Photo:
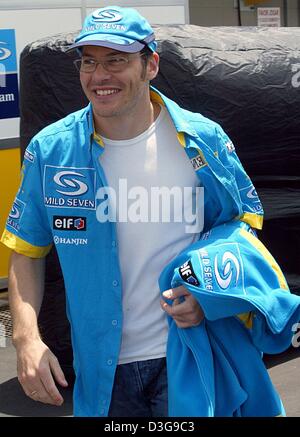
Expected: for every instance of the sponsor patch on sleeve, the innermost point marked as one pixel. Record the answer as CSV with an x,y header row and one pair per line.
x,y
230,146
187,273
222,268
198,162
29,156
15,214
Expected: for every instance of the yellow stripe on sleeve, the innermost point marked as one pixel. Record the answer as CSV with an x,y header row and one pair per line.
x,y
267,256
254,220
20,246
247,319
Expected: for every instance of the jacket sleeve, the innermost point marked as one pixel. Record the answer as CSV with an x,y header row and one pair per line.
x,y
251,205
27,228
232,274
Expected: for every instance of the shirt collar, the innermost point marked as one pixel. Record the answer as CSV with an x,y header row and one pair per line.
x,y
175,112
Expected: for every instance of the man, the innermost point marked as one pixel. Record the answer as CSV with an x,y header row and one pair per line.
x,y
81,175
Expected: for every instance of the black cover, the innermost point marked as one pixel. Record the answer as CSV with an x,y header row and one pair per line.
x,y
244,78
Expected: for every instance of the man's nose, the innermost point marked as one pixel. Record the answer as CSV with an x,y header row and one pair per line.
x,y
101,71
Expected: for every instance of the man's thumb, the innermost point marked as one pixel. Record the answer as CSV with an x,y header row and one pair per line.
x,y
173,293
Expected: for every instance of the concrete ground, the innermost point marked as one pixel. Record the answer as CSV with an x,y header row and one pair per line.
x,y
283,368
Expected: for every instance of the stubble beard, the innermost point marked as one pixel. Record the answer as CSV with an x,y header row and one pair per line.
x,y
124,109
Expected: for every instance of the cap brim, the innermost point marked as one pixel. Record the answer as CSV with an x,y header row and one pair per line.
x,y
121,44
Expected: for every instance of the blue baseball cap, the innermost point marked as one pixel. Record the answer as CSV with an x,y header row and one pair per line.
x,y
122,29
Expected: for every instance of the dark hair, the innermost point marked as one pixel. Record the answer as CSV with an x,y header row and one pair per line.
x,y
147,53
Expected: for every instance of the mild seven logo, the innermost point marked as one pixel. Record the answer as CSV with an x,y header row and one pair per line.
x,y
4,52
229,270
69,187
107,16
222,268
15,214
65,179
252,194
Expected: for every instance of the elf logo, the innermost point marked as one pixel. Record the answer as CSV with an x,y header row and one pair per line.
x,y
68,223
187,273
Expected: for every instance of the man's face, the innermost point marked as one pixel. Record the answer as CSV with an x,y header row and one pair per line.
x,y
117,94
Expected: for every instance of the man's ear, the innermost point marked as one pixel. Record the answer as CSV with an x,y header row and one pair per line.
x,y
153,66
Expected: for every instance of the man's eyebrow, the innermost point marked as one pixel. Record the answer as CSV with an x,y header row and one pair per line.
x,y
114,53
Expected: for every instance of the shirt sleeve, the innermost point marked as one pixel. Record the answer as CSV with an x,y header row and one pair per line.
x,y
27,228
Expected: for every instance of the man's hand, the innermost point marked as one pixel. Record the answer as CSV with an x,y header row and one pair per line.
x,y
186,311
38,368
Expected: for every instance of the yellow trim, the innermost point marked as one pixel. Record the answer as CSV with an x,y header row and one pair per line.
x,y
18,245
268,257
98,139
247,319
22,173
254,220
10,179
156,98
181,138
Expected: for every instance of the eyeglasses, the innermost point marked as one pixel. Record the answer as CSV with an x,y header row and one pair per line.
x,y
112,64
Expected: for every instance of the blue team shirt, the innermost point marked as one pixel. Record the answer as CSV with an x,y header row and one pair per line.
x,y
57,203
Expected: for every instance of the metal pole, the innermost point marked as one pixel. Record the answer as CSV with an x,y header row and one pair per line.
x,y
239,12
285,17
83,10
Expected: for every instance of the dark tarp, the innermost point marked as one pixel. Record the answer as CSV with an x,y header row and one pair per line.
x,y
247,79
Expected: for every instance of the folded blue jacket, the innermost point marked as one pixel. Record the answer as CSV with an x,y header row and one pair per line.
x,y
216,368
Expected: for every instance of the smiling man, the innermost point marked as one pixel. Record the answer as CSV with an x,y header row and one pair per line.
x,y
117,85
129,134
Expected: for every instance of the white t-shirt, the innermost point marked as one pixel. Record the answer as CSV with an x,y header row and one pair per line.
x,y
150,232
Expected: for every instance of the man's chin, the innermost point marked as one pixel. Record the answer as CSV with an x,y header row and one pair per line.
x,y
105,112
